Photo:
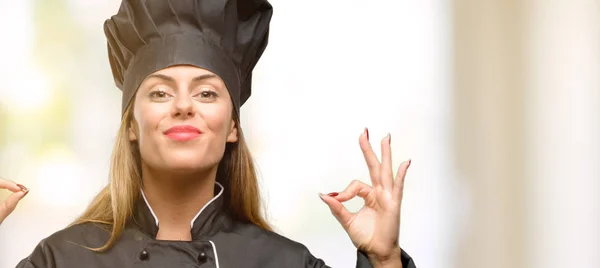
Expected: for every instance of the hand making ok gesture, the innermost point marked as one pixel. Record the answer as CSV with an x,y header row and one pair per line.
x,y
374,229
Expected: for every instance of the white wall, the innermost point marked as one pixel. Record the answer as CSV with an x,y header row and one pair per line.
x,y
564,126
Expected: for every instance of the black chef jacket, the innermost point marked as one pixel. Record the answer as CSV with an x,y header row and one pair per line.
x,y
218,241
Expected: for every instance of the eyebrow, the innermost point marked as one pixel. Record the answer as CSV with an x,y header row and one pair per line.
x,y
172,80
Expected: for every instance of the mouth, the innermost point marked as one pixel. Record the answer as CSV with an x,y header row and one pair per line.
x,y
182,133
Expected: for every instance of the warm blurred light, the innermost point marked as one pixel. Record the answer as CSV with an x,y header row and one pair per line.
x,y
15,73
60,179
17,47
26,89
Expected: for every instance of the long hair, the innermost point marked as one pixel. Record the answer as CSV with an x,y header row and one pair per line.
x,y
113,206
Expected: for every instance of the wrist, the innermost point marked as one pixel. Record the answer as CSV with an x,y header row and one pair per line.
x,y
393,260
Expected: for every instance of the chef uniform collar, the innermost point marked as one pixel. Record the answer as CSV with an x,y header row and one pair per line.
x,y
203,224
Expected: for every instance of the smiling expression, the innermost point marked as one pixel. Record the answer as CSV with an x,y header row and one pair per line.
x,y
182,119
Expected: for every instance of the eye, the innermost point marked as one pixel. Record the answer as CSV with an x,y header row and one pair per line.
x,y
207,94
159,95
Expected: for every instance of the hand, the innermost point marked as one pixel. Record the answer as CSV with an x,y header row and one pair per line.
x,y
374,229
7,206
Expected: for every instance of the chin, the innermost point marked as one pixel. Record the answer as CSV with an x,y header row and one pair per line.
x,y
188,162
185,168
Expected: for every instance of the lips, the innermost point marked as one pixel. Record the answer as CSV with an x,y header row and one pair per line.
x,y
182,133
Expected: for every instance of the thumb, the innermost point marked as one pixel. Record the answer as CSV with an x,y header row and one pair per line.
x,y
8,206
338,210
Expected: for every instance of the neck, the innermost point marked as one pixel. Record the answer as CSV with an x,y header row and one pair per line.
x,y
176,199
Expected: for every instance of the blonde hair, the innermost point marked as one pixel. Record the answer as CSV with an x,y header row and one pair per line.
x,y
113,206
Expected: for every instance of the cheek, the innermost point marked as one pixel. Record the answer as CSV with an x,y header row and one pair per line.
x,y
148,124
218,122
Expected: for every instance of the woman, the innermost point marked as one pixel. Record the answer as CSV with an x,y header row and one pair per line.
x,y
183,191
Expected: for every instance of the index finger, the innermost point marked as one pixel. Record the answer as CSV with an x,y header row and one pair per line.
x,y
9,185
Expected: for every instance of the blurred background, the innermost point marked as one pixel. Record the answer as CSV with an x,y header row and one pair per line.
x,y
497,102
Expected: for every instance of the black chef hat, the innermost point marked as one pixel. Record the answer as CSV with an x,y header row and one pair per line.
x,y
226,37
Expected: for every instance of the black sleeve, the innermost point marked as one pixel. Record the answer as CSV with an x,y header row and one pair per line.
x,y
40,258
310,261
362,261
25,263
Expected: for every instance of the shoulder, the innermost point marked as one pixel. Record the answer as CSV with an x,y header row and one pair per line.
x,y
265,245
80,235
252,234
73,239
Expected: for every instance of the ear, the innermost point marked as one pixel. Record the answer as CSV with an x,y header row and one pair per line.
x,y
232,136
132,130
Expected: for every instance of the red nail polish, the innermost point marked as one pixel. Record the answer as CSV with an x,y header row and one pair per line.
x,y
389,138
367,132
334,194
409,161
23,188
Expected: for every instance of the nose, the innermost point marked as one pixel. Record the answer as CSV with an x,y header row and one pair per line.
x,y
183,106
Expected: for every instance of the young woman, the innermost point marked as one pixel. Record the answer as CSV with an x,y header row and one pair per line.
x,y
183,190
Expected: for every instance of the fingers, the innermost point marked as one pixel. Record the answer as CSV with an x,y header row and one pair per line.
x,y
9,185
370,158
8,206
338,210
399,181
386,163
355,188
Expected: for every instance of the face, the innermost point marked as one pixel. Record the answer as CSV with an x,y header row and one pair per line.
x,y
182,119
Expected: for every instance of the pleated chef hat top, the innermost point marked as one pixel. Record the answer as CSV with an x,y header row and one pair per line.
x,y
226,37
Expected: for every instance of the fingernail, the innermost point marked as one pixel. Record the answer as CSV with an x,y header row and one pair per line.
x,y
23,188
367,132
409,161
321,196
334,194
389,138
